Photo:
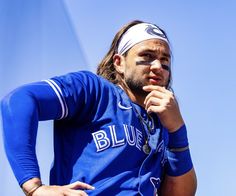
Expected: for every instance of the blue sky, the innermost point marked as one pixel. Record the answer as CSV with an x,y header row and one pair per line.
x,y
40,39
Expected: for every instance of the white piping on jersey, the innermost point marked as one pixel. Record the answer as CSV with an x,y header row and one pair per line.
x,y
124,107
58,92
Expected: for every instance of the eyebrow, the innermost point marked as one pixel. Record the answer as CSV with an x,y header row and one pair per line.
x,y
154,51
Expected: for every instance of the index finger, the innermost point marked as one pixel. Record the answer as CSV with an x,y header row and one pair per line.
x,y
80,185
150,88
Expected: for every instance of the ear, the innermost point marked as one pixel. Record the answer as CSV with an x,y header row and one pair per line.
x,y
119,63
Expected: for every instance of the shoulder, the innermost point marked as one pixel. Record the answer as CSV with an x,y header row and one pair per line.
x,y
91,79
85,82
81,77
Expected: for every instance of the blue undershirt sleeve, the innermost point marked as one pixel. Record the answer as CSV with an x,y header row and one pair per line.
x,y
21,110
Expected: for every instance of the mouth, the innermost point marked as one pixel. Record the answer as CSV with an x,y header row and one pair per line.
x,y
155,80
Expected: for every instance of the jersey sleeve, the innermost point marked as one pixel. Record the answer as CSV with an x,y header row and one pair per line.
x,y
21,110
54,99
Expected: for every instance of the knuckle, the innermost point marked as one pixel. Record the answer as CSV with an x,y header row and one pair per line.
x,y
172,96
167,102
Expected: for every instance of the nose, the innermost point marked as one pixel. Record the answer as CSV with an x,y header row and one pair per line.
x,y
155,65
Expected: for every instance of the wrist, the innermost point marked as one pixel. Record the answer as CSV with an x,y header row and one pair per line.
x,y
31,186
175,125
178,139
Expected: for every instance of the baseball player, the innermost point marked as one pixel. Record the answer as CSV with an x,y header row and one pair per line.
x,y
117,132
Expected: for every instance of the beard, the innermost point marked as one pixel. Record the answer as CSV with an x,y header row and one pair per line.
x,y
136,87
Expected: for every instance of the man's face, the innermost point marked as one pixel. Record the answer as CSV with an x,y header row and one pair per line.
x,y
147,63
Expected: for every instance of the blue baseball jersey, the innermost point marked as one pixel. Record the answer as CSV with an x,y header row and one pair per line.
x,y
99,139
98,136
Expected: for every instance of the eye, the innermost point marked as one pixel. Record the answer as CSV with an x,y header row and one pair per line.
x,y
147,56
166,67
165,61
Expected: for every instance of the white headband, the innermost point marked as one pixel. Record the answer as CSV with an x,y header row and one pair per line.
x,y
138,33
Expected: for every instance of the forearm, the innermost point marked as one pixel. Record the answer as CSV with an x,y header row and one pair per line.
x,y
184,185
20,122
